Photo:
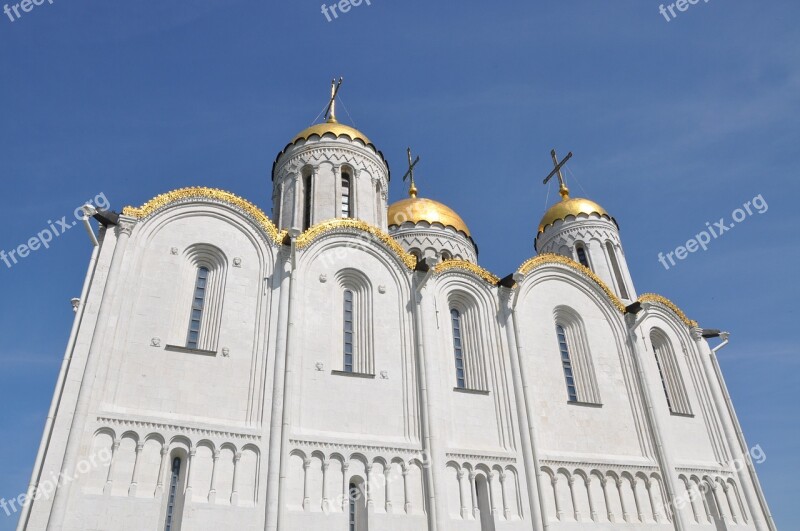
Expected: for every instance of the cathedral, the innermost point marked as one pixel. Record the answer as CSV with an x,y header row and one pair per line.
x,y
343,363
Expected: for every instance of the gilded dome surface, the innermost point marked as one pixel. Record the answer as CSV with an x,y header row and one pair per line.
x,y
416,209
334,128
571,207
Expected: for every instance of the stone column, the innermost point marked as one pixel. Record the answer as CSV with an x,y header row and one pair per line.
x,y
110,475
609,512
387,473
345,488
592,511
462,474
576,513
187,496
161,468
506,508
407,504
491,484
473,489
135,475
306,498
237,457
212,493
325,465
554,483
636,499
368,488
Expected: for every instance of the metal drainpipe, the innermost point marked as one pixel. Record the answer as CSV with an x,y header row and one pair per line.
x,y
62,375
738,430
528,442
433,515
661,454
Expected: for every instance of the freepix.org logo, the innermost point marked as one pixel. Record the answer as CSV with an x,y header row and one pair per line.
x,y
53,230
26,6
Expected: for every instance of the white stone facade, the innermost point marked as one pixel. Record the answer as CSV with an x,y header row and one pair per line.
x,y
271,429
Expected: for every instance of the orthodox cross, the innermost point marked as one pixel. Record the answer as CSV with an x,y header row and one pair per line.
x,y
412,191
562,189
330,111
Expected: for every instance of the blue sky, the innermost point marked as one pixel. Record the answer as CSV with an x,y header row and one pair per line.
x,y
673,124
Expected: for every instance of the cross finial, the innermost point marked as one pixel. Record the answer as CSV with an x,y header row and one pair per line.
x,y
330,112
562,189
412,190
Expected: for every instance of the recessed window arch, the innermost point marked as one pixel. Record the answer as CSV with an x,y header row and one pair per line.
x,y
357,515
576,360
669,372
468,343
174,494
347,197
308,195
204,280
612,258
446,255
582,254
357,354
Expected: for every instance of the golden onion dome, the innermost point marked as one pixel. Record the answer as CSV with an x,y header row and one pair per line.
x,y
333,127
571,207
416,209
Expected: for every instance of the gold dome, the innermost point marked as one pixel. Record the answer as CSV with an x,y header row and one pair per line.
x,y
333,127
416,209
571,207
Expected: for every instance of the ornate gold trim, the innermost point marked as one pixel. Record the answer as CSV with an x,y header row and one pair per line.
x,y
332,225
552,258
463,265
199,192
654,297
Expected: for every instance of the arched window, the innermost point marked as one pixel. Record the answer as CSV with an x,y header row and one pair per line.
x,y
198,305
576,360
612,257
671,381
307,195
458,349
580,251
467,346
566,363
348,331
355,300
174,496
446,256
357,506
484,502
347,209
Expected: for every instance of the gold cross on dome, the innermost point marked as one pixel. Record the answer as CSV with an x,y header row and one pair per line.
x,y
330,111
412,190
562,189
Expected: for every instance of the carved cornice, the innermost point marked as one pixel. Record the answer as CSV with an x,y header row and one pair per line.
x,y
350,225
550,258
205,432
480,458
469,267
700,472
588,465
658,299
187,195
364,448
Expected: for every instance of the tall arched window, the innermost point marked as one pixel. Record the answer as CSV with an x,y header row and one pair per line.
x,y
307,194
458,349
358,342
347,208
580,251
468,345
357,505
576,359
668,371
198,304
174,497
348,331
612,257
566,363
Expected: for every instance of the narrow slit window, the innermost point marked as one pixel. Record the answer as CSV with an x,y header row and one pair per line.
x,y
306,202
348,331
612,256
580,250
347,211
198,304
566,362
172,495
458,349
